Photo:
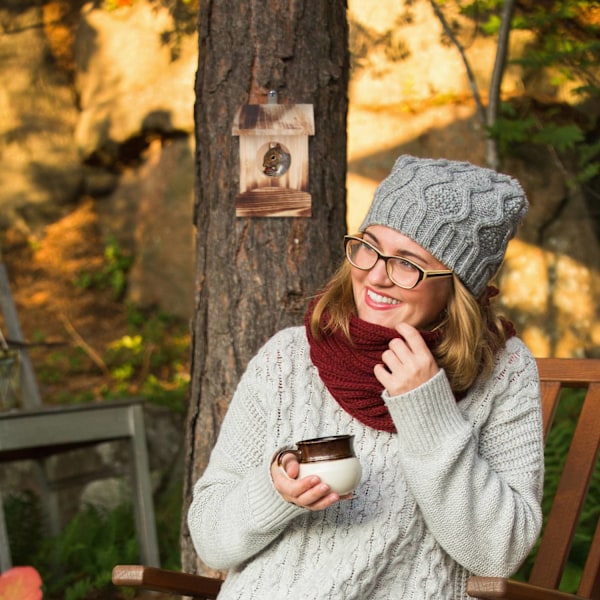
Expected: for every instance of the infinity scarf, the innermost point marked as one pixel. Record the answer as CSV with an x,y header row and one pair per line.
x,y
346,368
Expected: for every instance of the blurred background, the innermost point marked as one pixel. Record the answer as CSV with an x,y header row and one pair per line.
x,y
97,193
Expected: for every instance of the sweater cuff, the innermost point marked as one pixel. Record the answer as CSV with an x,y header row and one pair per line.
x,y
268,509
427,416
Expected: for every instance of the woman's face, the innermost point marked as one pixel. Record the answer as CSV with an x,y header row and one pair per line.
x,y
381,302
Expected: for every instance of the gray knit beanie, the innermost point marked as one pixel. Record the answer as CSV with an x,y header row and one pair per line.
x,y
462,214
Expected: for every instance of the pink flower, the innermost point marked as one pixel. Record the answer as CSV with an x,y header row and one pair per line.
x,y
20,583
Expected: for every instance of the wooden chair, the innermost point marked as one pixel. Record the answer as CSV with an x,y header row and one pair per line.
x,y
34,432
551,558
571,493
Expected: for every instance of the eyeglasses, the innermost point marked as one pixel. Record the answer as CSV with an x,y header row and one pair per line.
x,y
402,272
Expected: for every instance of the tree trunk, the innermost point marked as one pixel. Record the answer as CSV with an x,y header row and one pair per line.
x,y
254,275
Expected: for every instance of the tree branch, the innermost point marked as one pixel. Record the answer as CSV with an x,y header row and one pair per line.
x,y
492,157
461,50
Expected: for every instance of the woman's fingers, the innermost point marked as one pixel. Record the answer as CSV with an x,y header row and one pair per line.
x,y
309,492
407,363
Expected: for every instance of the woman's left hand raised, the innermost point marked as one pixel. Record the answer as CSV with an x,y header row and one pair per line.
x,y
407,363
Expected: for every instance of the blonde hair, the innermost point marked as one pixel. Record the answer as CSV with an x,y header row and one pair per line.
x,y
473,331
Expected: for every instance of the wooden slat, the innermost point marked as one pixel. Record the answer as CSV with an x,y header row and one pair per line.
x,y
570,495
274,119
499,587
589,586
556,373
550,396
164,580
573,372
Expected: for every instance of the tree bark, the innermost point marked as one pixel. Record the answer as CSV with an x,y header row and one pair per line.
x,y
254,275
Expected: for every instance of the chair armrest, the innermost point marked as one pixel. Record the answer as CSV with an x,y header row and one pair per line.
x,y
500,587
164,580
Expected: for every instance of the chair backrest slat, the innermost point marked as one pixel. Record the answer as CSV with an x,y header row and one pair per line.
x,y
572,372
589,586
577,472
550,395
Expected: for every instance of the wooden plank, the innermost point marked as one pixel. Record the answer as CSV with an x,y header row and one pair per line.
x,y
550,396
273,119
273,202
499,587
164,580
570,494
589,586
577,372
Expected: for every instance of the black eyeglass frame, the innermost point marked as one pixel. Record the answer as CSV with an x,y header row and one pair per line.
x,y
423,273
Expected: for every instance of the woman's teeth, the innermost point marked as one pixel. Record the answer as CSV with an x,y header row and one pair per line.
x,y
381,299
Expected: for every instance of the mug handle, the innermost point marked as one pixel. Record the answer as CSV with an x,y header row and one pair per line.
x,y
281,454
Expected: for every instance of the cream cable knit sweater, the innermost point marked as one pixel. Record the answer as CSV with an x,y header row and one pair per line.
x,y
456,491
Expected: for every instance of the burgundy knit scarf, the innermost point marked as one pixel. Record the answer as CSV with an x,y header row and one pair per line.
x,y
346,368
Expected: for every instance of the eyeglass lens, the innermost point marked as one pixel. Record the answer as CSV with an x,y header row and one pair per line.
x,y
401,271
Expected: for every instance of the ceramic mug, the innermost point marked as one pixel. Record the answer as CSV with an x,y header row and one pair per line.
x,y
331,458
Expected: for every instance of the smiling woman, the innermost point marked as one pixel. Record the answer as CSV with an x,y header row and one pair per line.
x,y
403,351
392,289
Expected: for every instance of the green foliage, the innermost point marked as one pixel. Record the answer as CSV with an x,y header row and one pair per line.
x,y
562,138
566,48
168,524
557,446
510,129
112,275
58,363
151,359
78,563
81,558
589,162
563,51
24,524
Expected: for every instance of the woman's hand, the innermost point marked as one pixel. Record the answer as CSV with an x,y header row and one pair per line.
x,y
309,492
407,364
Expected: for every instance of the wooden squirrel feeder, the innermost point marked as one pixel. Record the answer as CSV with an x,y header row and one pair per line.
x,y
274,159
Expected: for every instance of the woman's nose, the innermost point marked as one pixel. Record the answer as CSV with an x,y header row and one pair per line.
x,y
378,274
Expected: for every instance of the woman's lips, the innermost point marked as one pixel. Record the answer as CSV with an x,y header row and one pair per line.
x,y
380,301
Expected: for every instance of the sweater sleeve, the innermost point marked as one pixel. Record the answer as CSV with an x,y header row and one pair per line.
x,y
477,480
235,510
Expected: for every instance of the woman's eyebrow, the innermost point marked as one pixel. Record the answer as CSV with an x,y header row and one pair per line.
x,y
400,253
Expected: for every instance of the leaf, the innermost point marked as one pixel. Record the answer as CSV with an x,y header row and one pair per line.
x,y
20,583
561,137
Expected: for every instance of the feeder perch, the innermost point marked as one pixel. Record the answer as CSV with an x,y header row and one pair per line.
x,y
274,159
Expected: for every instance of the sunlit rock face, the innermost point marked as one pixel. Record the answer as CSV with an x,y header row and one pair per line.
x,y
553,299
136,109
129,81
551,276
97,105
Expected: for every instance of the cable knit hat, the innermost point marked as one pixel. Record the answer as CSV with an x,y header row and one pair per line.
x,y
462,214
